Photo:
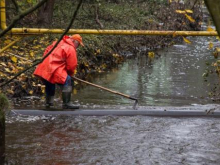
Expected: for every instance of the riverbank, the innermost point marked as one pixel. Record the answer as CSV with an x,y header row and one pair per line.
x,y
101,53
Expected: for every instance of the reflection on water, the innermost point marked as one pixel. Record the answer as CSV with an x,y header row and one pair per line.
x,y
174,79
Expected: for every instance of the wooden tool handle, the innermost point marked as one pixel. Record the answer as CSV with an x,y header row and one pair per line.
x,y
115,92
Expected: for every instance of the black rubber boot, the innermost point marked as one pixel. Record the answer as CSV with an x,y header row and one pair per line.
x,y
49,101
66,95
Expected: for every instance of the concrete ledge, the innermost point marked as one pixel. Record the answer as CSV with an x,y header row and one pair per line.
x,y
161,113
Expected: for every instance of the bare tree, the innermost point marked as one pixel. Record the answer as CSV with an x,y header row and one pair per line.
x,y
20,16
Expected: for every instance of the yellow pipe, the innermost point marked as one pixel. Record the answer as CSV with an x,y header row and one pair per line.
x,y
9,45
115,32
3,14
94,31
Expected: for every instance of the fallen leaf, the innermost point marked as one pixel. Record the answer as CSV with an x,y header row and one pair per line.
x,y
210,45
151,55
7,70
210,29
186,40
2,63
14,59
32,54
189,18
10,91
180,11
189,11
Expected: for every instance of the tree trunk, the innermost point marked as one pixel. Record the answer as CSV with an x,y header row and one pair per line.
x,y
4,105
45,14
2,137
214,9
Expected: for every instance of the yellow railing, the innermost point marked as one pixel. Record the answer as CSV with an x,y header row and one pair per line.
x,y
114,32
3,14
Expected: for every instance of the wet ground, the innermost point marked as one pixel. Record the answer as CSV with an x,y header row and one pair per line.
x,y
174,80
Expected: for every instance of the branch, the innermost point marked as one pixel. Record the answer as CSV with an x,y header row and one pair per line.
x,y
20,16
97,17
61,37
16,6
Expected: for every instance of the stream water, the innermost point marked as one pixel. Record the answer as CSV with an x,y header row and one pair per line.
x,y
174,79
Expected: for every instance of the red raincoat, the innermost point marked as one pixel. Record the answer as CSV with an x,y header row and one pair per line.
x,y
60,63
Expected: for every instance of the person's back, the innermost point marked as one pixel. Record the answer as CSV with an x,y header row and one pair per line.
x,y
58,67
61,62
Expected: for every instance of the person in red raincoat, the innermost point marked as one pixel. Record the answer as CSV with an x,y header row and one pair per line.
x,y
58,68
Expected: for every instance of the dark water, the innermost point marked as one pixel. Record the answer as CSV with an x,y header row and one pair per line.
x,y
175,79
